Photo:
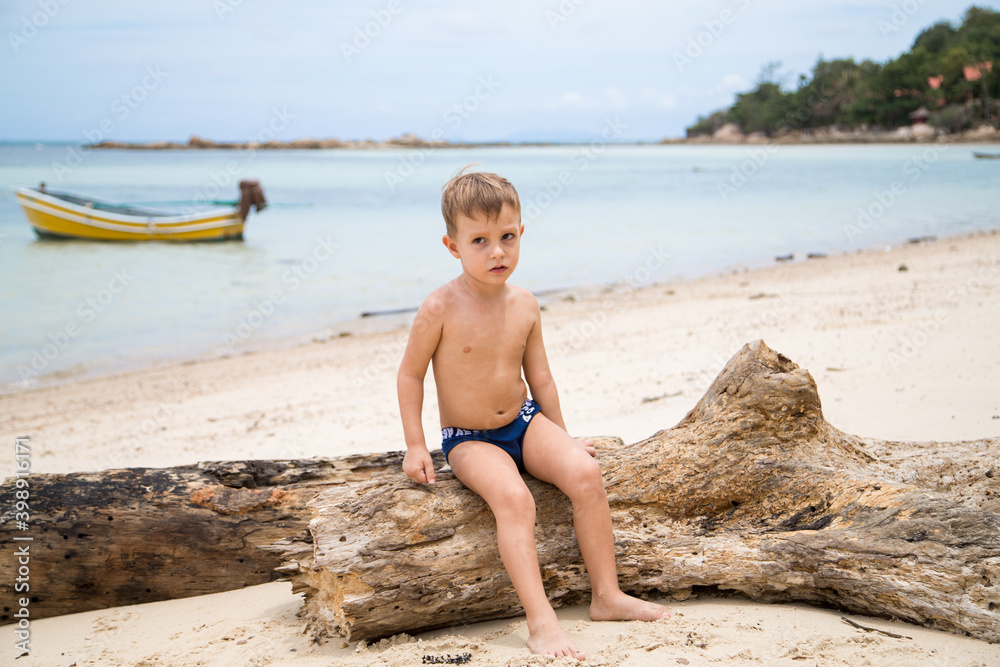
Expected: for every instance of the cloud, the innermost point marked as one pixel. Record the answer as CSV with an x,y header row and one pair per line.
x,y
658,98
733,83
461,20
615,99
574,100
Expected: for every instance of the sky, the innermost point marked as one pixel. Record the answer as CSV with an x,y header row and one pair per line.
x,y
520,70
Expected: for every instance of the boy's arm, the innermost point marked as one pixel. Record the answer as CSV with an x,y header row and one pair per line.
x,y
424,337
537,373
540,381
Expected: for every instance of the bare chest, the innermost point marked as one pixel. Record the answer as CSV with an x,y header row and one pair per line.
x,y
484,339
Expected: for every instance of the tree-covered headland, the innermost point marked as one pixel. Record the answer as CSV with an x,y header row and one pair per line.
x,y
952,72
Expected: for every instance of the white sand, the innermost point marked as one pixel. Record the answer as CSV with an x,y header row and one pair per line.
x,y
258,626
904,355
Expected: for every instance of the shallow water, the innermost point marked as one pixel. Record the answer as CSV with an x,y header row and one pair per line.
x,y
360,231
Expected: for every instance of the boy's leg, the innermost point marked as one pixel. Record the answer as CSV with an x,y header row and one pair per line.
x,y
492,474
553,456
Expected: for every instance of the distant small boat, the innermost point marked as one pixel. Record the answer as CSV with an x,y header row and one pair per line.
x,y
70,216
987,156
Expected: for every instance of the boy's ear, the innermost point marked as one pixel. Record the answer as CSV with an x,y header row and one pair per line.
x,y
451,246
521,233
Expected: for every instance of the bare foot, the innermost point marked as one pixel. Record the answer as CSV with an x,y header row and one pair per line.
x,y
621,607
548,638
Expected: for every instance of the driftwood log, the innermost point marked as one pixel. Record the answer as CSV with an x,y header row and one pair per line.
x,y
120,537
736,496
753,491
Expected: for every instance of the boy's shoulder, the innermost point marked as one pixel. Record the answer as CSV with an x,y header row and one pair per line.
x,y
522,296
451,295
442,297
438,304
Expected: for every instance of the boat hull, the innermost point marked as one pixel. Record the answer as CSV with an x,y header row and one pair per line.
x,y
54,218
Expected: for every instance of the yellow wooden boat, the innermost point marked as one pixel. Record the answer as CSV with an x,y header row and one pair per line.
x,y
71,216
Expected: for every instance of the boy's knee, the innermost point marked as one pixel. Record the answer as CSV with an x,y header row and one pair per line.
x,y
588,478
515,499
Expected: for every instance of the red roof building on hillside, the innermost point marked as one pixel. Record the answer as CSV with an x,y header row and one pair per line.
x,y
975,71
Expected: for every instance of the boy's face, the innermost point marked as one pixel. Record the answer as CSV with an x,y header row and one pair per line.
x,y
488,249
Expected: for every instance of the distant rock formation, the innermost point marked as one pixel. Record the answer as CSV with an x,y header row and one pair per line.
x,y
408,140
729,133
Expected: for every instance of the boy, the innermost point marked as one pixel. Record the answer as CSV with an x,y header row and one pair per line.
x,y
480,333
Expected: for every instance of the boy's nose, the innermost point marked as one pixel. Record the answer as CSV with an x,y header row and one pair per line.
x,y
497,251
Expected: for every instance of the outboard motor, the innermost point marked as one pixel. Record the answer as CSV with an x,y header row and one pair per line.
x,y
251,195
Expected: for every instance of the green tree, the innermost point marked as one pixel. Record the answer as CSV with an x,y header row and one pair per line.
x,y
845,93
980,35
836,87
936,38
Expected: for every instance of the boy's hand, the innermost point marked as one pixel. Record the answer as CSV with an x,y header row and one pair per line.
x,y
418,465
588,445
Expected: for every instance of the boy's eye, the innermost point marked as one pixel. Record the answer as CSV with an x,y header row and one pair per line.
x,y
508,237
478,240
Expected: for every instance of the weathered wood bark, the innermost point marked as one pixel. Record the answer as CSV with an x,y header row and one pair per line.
x,y
118,537
752,491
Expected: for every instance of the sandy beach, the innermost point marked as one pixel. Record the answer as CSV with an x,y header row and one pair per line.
x,y
904,344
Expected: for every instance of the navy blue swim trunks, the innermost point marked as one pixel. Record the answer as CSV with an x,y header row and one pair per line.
x,y
509,438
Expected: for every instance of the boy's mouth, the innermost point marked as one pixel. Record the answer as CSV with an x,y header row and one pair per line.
x,y
498,269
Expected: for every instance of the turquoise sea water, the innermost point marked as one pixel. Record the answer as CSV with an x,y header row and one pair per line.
x,y
362,233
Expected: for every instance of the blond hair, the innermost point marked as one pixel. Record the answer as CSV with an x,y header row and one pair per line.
x,y
475,192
